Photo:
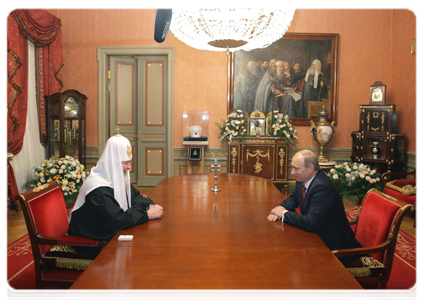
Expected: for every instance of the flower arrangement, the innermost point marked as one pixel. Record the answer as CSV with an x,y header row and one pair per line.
x,y
233,127
282,127
67,171
354,180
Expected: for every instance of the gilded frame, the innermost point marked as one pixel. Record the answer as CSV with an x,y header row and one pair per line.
x,y
303,47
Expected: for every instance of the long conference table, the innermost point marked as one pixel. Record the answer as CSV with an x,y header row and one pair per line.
x,y
216,240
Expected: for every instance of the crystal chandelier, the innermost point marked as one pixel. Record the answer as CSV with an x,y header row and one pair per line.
x,y
220,29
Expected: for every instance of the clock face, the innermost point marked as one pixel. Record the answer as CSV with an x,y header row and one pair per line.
x,y
377,95
71,107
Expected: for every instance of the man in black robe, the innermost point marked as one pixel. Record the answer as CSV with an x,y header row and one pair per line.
x,y
107,202
315,88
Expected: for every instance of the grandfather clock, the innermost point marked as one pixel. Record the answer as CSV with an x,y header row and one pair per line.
x,y
66,127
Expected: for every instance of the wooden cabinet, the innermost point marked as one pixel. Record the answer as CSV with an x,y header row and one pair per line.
x,y
265,157
66,127
378,142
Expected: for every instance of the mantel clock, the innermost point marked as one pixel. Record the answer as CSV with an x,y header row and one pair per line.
x,y
377,93
66,127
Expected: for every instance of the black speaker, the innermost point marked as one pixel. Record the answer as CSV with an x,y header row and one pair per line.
x,y
162,25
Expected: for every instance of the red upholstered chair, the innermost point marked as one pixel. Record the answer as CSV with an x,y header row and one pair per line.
x,y
401,185
46,217
376,230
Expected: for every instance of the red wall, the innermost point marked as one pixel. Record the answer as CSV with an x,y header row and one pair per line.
x,y
374,46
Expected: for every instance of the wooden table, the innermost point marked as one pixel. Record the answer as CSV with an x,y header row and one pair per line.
x,y
216,240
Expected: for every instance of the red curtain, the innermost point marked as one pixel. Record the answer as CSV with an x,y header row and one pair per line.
x,y
17,81
44,31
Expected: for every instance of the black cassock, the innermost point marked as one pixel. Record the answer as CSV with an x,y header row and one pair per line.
x,y
101,217
309,93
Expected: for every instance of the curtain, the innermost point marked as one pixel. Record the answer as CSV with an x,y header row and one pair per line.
x,y
32,153
44,30
17,71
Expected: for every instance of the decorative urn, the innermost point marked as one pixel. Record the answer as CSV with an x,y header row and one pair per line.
x,y
322,133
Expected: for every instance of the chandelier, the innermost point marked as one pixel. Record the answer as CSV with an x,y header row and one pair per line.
x,y
221,29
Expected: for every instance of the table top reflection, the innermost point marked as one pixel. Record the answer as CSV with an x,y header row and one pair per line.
x,y
216,240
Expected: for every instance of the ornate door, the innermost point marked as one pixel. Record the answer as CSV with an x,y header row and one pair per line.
x,y
138,109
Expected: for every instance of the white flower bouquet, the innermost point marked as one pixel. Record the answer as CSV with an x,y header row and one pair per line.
x,y
233,127
354,180
282,127
67,171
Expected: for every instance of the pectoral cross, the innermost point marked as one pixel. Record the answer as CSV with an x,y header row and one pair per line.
x,y
215,168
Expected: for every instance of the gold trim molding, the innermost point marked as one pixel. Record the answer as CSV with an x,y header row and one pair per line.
x,y
154,137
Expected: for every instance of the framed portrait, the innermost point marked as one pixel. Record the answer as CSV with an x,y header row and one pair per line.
x,y
296,75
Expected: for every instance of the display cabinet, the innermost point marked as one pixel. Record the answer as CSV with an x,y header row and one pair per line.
x,y
265,157
66,127
378,142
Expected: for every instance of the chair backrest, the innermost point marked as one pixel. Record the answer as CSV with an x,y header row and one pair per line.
x,y
45,213
379,222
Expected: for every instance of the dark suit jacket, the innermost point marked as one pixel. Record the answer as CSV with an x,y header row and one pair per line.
x,y
323,213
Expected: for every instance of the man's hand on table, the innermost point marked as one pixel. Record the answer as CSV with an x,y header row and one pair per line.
x,y
276,213
155,212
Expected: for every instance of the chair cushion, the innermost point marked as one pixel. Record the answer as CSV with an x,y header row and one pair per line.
x,y
63,256
404,186
365,266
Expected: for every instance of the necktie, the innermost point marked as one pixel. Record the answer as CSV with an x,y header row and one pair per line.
x,y
303,194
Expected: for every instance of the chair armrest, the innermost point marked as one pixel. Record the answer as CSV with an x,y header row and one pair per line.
x,y
389,176
70,240
74,240
360,251
42,240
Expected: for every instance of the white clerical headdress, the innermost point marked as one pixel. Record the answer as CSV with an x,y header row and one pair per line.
x,y
109,173
317,72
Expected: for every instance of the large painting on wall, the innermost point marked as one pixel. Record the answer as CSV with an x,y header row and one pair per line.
x,y
296,75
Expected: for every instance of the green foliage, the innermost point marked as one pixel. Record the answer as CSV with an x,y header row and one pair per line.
x,y
354,179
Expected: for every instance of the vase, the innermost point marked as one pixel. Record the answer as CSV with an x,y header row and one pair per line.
x,y
355,200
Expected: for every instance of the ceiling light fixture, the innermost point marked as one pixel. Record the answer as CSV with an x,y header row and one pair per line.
x,y
220,29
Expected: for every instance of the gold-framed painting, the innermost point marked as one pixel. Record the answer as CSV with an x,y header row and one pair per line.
x,y
289,76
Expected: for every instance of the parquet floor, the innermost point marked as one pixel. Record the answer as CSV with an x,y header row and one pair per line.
x,y
16,226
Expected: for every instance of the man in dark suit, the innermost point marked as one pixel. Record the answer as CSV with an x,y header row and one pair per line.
x,y
322,210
